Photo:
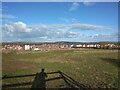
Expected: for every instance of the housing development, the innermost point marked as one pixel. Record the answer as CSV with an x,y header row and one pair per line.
x,y
58,45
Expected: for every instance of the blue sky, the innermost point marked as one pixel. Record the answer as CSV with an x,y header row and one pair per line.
x,y
59,21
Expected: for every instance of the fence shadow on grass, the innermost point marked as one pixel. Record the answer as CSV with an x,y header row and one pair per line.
x,y
39,81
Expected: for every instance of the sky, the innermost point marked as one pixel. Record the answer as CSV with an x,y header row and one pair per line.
x,y
59,21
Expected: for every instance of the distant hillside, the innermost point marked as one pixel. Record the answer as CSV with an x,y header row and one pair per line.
x,y
61,42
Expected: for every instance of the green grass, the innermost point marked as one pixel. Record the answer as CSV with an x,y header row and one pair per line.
x,y
95,68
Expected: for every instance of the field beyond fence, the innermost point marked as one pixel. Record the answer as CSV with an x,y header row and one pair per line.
x,y
93,68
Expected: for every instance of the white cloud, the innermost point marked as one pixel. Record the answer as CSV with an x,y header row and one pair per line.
x,y
88,3
7,16
17,27
74,6
105,37
110,35
21,31
68,20
89,27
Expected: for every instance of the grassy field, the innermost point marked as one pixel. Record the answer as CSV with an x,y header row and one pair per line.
x,y
95,68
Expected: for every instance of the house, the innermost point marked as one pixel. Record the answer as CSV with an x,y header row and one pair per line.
x,y
84,45
79,45
36,49
27,47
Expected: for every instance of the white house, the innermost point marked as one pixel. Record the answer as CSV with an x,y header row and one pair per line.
x,y
36,49
71,45
27,47
84,45
79,45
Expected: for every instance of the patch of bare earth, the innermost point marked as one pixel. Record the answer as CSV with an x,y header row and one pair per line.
x,y
15,65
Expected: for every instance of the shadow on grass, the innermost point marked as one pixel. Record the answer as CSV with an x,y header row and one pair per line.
x,y
115,62
40,81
